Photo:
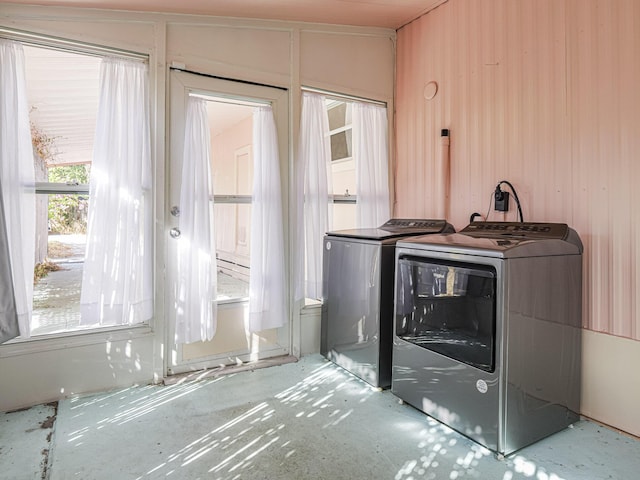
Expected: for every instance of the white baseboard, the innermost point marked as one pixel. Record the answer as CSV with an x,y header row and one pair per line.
x,y
310,318
611,381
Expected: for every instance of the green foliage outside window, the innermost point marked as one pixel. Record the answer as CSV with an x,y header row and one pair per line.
x,y
68,212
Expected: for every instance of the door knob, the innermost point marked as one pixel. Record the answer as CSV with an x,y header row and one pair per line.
x,y
175,232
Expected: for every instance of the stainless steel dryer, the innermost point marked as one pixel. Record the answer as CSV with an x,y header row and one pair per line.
x,y
487,330
357,309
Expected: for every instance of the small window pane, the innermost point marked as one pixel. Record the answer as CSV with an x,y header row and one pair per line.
x,y
58,272
341,145
337,115
232,174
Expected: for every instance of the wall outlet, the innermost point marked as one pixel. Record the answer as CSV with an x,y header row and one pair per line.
x,y
501,201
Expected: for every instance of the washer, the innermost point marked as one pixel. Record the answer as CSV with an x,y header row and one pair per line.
x,y
357,309
487,330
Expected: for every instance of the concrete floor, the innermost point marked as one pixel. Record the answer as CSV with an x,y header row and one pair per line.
x,y
304,420
56,297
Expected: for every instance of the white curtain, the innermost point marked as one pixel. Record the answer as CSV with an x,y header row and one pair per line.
x,y
9,327
17,184
267,287
314,194
196,290
370,151
117,275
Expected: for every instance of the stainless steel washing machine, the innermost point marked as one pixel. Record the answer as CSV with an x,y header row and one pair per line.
x,y
487,330
357,308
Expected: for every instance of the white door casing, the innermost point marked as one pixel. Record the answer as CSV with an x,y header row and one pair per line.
x,y
232,343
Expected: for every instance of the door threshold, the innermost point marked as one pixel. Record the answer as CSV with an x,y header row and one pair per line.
x,y
227,369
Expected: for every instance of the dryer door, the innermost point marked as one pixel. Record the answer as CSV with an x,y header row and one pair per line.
x,y
449,308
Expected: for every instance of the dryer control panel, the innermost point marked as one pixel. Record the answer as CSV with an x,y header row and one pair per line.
x,y
526,230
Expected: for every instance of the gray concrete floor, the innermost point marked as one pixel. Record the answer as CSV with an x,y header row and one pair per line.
x,y
56,297
304,420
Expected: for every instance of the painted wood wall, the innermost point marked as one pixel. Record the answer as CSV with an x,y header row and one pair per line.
x,y
544,94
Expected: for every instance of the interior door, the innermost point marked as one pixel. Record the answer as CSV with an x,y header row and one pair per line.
x,y
230,106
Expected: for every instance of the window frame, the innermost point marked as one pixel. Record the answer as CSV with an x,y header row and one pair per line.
x,y
92,335
346,98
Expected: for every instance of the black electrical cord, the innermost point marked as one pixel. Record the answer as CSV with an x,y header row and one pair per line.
x,y
491,198
515,195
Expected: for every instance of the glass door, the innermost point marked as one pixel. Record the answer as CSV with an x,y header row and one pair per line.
x,y
230,106
448,308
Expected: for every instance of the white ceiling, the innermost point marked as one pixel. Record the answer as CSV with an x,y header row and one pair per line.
x,y
62,90
374,13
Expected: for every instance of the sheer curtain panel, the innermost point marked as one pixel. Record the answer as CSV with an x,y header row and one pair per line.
x,y
314,195
117,274
267,280
370,151
8,315
196,289
17,185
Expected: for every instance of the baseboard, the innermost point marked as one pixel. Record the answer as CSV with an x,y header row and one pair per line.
x,y
610,381
227,369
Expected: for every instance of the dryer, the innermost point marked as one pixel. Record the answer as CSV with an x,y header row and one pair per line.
x,y
487,330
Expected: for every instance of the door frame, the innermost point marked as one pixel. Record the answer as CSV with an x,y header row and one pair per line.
x,y
181,84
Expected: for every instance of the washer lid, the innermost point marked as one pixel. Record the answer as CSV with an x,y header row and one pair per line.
x,y
396,227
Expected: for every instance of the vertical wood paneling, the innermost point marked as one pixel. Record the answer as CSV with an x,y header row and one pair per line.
x,y
605,132
631,146
543,93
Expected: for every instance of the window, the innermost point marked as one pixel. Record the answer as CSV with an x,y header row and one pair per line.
x,y
343,167
62,89
231,127
346,187
339,114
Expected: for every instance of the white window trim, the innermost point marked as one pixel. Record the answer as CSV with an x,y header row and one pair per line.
x,y
78,338
50,188
57,43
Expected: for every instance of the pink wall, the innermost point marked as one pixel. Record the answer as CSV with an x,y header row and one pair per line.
x,y
545,94
223,149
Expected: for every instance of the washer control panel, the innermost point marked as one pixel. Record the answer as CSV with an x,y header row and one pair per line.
x,y
396,228
398,223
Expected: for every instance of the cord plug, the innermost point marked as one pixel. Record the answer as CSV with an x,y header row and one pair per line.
x,y
501,200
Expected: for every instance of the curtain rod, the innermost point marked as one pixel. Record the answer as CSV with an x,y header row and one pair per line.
x,y
57,43
246,82
342,96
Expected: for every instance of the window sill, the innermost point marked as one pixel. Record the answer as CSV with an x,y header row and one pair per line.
x,y
310,306
72,340
232,302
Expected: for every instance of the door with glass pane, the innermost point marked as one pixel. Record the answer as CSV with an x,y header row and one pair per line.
x,y
230,106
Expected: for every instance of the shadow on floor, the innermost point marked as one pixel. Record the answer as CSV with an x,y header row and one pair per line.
x,y
305,420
